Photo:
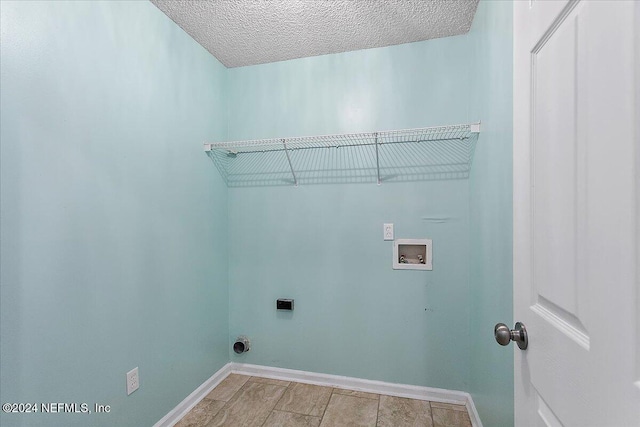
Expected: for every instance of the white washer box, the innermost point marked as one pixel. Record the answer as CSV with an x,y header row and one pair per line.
x,y
412,254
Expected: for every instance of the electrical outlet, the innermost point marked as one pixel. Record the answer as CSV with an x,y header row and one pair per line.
x,y
133,381
388,231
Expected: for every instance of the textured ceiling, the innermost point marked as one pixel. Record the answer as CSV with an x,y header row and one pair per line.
x,y
249,32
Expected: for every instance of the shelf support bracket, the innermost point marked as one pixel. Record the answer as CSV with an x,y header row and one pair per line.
x,y
286,151
377,159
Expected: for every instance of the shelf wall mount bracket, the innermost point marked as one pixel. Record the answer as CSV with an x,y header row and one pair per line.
x,y
293,172
378,159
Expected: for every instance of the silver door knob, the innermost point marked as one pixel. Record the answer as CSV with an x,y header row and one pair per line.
x,y
504,335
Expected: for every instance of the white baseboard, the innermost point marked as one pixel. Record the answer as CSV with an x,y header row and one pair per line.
x,y
473,413
194,398
350,383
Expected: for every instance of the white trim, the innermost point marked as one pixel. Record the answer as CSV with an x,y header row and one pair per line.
x,y
194,398
328,380
473,413
350,383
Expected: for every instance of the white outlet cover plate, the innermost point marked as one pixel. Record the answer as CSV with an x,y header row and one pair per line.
x,y
133,380
388,231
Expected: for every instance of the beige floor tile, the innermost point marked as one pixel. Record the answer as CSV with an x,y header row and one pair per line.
x,y
305,399
401,412
289,419
228,387
201,414
450,418
250,406
356,393
350,411
270,381
462,408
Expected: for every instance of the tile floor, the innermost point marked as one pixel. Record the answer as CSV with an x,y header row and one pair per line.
x,y
241,400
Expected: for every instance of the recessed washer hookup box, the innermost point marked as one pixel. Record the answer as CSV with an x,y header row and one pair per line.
x,y
413,254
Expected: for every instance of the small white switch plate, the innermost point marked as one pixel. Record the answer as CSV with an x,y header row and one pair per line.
x,y
388,232
133,381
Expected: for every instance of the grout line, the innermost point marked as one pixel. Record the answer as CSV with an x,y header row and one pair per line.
x,y
281,397
327,405
297,413
266,418
358,391
237,391
378,411
276,404
226,402
431,414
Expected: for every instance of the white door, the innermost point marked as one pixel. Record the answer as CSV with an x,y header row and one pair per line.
x,y
576,207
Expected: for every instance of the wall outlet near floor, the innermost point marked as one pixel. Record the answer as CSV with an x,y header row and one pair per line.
x,y
133,382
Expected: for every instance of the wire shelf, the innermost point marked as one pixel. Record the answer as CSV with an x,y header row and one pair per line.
x,y
433,153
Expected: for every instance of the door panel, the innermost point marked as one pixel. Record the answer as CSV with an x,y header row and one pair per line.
x,y
575,212
546,417
558,176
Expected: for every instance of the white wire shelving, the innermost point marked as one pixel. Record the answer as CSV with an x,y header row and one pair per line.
x,y
432,153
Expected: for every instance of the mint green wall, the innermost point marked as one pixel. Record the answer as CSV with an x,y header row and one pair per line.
x,y
490,190
113,221
404,86
322,244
